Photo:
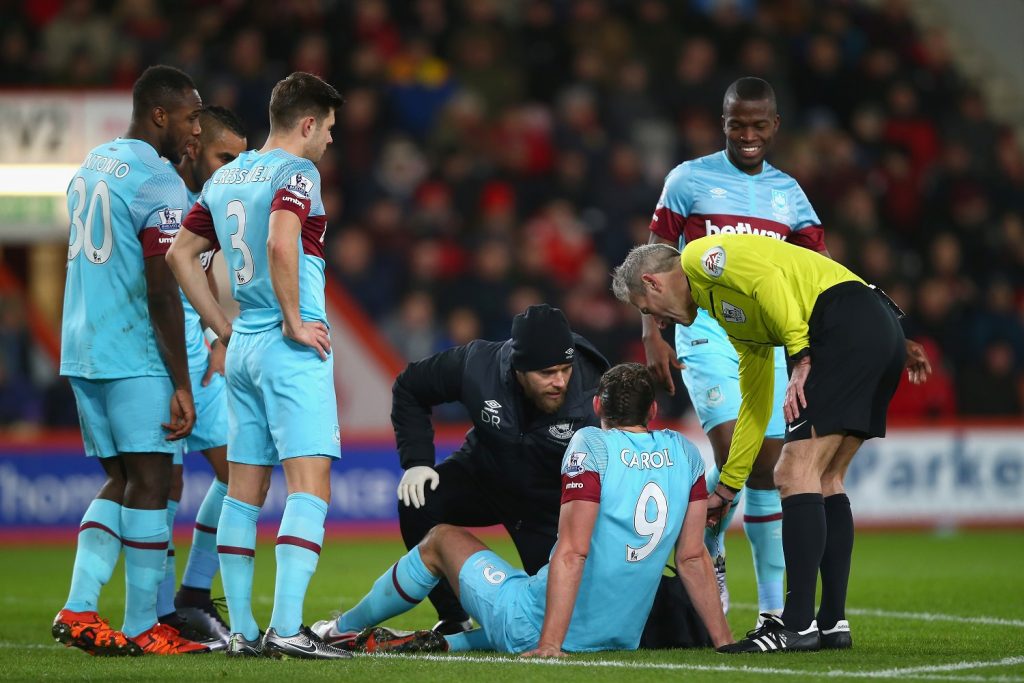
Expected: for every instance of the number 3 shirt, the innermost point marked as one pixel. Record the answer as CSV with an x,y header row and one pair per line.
x,y
234,210
643,483
125,204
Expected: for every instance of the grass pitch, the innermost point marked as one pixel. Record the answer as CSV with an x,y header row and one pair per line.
x,y
922,606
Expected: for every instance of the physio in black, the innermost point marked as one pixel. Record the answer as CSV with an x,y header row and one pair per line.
x,y
526,397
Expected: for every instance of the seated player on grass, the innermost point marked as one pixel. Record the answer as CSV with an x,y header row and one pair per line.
x,y
621,516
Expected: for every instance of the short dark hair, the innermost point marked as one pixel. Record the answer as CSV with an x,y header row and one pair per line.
x,y
749,89
223,117
626,393
159,86
301,94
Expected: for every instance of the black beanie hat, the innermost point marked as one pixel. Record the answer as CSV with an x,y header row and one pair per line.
x,y
541,338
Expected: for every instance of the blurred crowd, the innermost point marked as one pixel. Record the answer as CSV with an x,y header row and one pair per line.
x,y
494,154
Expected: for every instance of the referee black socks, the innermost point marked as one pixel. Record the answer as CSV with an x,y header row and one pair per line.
x,y
835,562
803,544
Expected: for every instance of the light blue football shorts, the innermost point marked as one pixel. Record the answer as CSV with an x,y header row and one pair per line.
x,y
211,401
124,415
498,596
712,379
281,400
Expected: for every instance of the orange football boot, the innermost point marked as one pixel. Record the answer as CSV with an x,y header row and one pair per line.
x,y
90,632
165,640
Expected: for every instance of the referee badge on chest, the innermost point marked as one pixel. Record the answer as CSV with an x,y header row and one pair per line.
x,y
733,314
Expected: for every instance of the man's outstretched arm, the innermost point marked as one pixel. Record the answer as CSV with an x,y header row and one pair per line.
x,y
575,527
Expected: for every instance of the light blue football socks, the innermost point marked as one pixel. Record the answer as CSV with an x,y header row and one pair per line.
x,y
236,546
165,593
144,535
398,590
299,541
99,546
762,522
203,563
475,639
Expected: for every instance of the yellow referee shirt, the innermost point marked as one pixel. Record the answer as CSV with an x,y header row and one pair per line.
x,y
761,291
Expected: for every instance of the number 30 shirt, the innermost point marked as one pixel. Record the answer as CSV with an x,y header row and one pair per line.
x,y
125,204
234,210
643,483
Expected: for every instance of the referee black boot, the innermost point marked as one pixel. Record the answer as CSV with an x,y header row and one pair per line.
x,y
772,636
838,637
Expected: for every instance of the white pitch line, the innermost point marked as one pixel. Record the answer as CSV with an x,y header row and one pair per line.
x,y
958,666
30,646
919,673
972,679
918,616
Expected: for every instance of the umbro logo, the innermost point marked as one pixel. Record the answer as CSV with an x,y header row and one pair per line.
x,y
489,415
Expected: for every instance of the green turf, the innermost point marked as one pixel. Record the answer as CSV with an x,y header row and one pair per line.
x,y
953,577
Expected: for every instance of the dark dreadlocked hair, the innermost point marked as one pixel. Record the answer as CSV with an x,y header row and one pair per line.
x,y
626,393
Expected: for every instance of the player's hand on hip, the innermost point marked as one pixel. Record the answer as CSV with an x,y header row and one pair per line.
x,y
183,415
661,360
545,651
311,334
795,400
918,365
412,489
215,361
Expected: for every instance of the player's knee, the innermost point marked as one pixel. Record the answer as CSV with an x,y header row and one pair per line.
x,y
430,546
263,489
218,459
113,489
177,483
438,533
783,472
116,481
762,477
831,484
151,485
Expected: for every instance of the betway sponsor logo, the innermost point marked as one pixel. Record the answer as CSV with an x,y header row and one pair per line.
x,y
740,228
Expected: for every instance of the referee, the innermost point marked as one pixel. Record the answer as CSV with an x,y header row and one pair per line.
x,y
526,397
846,351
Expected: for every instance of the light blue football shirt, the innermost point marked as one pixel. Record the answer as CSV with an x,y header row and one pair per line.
x,y
710,196
239,199
125,203
645,482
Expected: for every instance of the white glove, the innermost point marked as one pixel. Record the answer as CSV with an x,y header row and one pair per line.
x,y
412,487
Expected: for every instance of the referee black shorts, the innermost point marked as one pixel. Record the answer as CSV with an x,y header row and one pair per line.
x,y
858,353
